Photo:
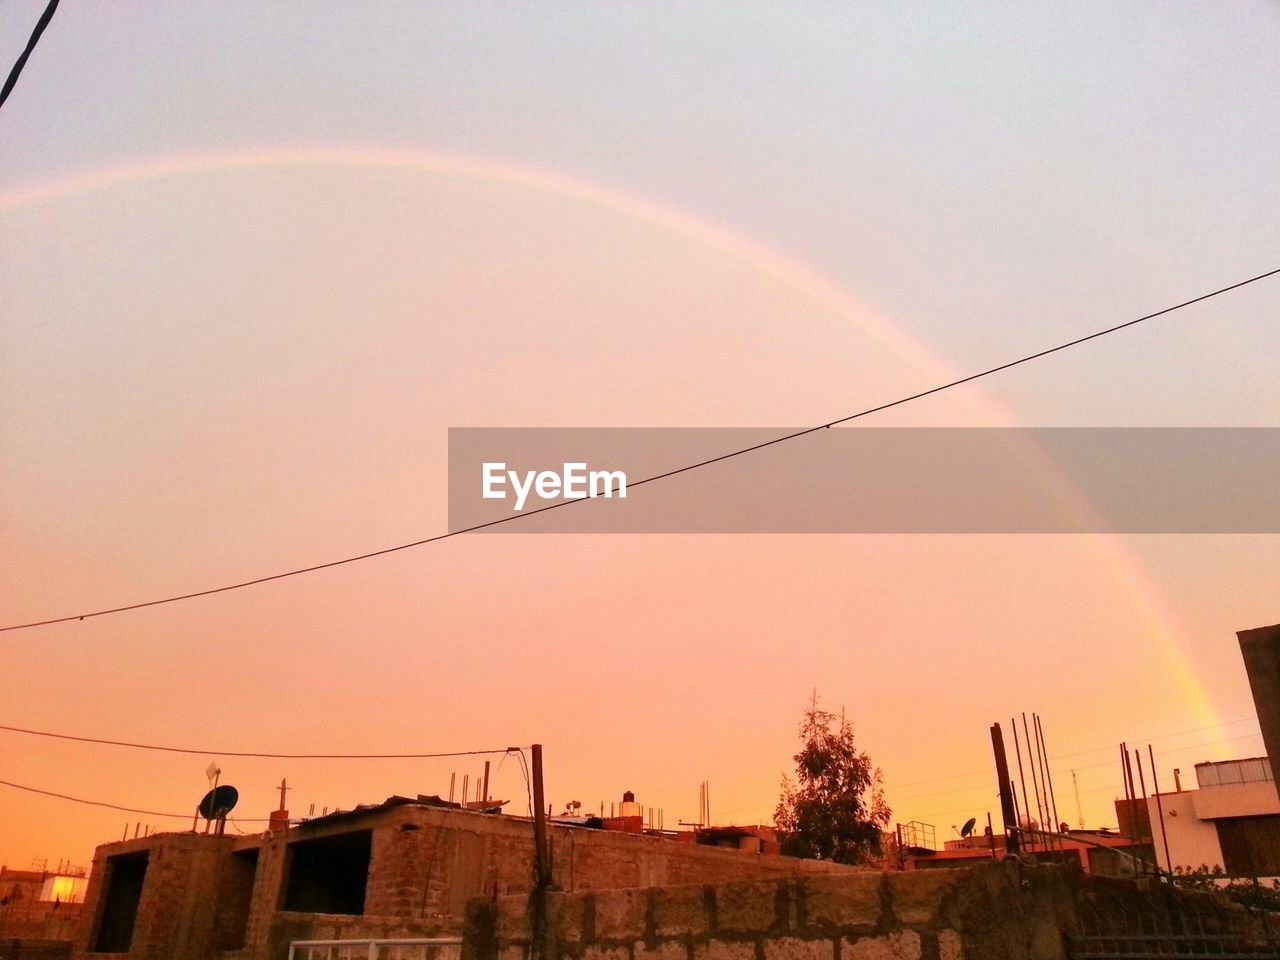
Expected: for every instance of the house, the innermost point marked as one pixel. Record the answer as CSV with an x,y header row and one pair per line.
x,y
1229,823
404,868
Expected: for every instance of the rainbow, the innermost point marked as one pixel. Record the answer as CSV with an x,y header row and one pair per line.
x,y
778,266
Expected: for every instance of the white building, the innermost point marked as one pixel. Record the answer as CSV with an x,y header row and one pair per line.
x,y
1231,822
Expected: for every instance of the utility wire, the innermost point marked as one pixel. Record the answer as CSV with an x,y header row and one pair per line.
x,y
112,806
270,756
31,45
659,476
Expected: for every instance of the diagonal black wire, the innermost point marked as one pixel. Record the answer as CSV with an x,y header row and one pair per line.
x,y
113,806
241,753
31,45
659,476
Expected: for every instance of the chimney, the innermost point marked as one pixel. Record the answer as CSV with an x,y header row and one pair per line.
x,y
279,821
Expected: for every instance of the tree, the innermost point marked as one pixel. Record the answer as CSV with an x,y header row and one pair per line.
x,y
835,809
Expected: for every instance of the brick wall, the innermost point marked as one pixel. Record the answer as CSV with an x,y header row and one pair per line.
x,y
176,909
427,863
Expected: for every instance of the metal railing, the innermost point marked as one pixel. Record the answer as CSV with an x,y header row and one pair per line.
x,y
438,948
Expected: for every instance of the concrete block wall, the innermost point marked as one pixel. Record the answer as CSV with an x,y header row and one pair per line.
x,y
176,909
426,863
988,913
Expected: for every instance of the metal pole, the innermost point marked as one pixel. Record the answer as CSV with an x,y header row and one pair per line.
x,y
1164,835
991,835
1021,776
542,863
485,797
1046,827
1044,761
1131,790
1035,786
1017,814
1145,809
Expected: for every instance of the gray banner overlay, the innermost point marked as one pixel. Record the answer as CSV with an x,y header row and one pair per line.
x,y
854,480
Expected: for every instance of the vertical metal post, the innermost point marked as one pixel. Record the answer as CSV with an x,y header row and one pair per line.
x,y
991,835
485,796
1050,802
1026,804
1164,835
542,863
1142,780
1013,790
1130,792
1006,795
1031,761
453,779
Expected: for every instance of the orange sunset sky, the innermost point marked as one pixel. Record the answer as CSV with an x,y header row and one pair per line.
x,y
245,292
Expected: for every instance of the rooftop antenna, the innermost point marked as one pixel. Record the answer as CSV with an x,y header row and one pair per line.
x,y
1079,810
969,824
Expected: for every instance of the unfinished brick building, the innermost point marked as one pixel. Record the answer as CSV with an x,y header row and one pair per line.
x,y
406,868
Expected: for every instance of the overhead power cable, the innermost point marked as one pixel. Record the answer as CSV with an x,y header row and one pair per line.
x,y
260,755
113,806
742,451
21,62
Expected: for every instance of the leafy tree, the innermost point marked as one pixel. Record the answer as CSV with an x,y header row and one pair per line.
x,y
835,809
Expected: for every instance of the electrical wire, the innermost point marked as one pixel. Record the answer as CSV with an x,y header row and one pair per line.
x,y
742,451
260,755
21,62
528,782
113,806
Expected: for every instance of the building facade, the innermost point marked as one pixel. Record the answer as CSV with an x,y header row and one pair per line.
x,y
403,869
1230,823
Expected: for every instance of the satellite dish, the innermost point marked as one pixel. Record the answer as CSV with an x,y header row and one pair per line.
x,y
218,802
968,827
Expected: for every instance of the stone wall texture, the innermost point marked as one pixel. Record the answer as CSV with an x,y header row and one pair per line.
x,y
986,912
998,911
